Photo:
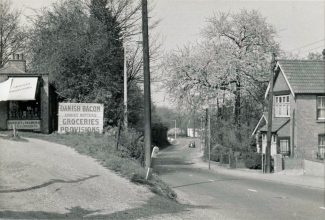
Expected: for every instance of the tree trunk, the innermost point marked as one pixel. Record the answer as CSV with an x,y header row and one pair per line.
x,y
194,124
237,99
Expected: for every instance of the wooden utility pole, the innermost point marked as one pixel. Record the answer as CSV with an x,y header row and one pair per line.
x,y
269,120
209,138
125,90
146,76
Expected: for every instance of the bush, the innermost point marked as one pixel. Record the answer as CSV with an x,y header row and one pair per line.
x,y
131,145
253,160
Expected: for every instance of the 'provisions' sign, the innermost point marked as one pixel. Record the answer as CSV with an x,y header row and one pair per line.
x,y
81,117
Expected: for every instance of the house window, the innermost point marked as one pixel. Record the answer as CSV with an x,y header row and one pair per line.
x,y
321,107
284,147
321,146
282,106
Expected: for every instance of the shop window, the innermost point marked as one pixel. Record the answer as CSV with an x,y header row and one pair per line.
x,y
321,146
321,107
24,110
282,106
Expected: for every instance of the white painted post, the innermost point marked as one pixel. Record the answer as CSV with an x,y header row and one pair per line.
x,y
154,155
14,129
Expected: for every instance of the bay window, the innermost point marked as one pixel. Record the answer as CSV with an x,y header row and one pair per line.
x,y
282,106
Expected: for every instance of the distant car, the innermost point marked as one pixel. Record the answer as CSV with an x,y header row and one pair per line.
x,y
192,145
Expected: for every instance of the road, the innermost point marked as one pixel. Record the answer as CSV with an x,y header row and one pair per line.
x,y
233,197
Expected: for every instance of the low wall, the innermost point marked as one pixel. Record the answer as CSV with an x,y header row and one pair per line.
x,y
313,168
292,163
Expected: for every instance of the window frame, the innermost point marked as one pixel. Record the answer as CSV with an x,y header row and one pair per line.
x,y
320,136
282,104
320,107
284,153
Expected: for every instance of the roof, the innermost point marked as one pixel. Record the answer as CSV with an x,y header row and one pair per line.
x,y
304,76
10,70
14,67
277,124
264,117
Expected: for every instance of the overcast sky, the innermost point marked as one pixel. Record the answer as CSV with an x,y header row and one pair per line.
x,y
300,24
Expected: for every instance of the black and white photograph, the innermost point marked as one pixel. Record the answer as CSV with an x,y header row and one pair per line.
x,y
162,109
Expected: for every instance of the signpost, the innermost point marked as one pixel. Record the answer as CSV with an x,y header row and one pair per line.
x,y
81,117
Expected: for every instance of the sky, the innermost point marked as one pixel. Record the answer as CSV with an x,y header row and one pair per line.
x,y
300,24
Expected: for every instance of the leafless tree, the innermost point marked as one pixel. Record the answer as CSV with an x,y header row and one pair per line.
x,y
12,35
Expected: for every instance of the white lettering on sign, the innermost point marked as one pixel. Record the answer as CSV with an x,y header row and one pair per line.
x,y
34,125
81,117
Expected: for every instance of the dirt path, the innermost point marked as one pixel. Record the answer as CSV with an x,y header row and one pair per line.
x,y
38,178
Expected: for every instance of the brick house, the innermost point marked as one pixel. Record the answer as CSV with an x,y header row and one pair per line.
x,y
298,117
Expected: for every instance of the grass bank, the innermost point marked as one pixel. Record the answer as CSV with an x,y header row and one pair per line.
x,y
102,148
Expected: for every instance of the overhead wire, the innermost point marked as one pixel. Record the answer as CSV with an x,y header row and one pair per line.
x,y
309,44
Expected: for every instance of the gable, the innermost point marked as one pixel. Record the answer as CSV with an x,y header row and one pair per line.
x,y
280,84
304,76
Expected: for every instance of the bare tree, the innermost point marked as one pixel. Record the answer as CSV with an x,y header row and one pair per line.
x,y
12,36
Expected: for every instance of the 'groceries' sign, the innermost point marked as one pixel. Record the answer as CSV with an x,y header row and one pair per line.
x,y
80,117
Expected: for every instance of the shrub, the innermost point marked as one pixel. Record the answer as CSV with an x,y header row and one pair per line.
x,y
131,145
253,160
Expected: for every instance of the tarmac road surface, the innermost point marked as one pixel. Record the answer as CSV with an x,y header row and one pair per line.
x,y
234,197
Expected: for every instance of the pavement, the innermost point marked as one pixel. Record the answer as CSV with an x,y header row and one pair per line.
x,y
291,177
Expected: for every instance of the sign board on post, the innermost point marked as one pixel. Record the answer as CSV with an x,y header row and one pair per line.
x,y
34,125
80,117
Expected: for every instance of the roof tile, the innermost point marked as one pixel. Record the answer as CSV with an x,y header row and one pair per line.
x,y
304,76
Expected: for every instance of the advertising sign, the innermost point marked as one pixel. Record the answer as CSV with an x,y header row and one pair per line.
x,y
34,125
18,88
81,117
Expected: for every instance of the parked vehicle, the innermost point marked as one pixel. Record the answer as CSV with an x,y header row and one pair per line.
x,y
192,145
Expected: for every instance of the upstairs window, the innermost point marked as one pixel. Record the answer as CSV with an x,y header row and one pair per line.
x,y
282,106
321,107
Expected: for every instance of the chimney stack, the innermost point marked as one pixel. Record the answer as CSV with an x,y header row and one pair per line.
x,y
17,62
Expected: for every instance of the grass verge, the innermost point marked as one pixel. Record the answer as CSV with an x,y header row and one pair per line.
x,y
102,148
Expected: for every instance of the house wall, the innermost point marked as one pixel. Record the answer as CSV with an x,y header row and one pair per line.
x,y
280,85
307,128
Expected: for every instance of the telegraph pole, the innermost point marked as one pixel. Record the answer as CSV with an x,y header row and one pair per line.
x,y
125,90
146,76
209,137
269,120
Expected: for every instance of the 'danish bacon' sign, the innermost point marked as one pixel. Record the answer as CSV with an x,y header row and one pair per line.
x,y
81,117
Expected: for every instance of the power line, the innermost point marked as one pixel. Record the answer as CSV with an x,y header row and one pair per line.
x,y
315,48
306,45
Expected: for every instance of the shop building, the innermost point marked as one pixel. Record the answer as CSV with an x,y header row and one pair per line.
x,y
27,100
